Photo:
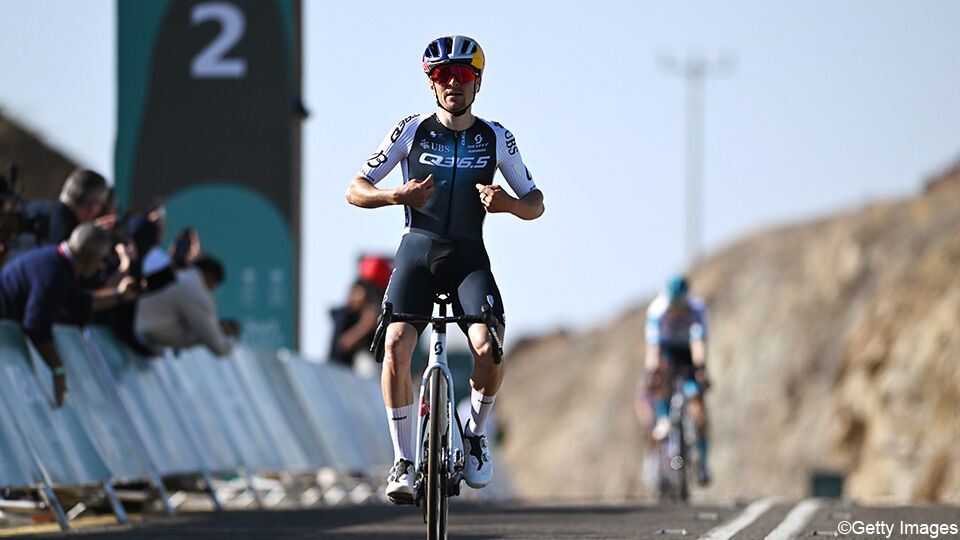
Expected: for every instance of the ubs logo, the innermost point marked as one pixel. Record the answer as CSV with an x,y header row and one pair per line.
x,y
436,147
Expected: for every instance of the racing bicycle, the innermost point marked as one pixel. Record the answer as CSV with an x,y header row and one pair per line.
x,y
439,451
678,450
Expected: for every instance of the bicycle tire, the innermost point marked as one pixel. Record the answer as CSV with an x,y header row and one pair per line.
x,y
436,499
683,485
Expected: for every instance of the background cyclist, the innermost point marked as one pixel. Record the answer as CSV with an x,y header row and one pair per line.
x,y
448,159
676,333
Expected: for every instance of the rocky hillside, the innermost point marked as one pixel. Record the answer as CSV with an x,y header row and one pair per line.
x,y
835,346
42,169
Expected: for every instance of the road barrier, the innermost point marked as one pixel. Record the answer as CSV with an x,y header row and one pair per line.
x,y
132,420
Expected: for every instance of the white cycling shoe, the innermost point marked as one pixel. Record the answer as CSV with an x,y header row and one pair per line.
x,y
478,469
400,482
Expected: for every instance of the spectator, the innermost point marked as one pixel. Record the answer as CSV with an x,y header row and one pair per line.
x,y
355,323
82,199
185,248
154,263
184,313
35,287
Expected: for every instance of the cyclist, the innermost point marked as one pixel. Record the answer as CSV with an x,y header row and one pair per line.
x,y
676,333
448,159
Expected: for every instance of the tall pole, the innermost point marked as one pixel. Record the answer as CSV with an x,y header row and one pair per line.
x,y
694,71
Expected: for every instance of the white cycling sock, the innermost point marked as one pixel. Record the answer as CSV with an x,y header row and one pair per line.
x,y
480,407
401,431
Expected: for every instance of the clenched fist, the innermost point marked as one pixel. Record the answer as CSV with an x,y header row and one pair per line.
x,y
494,199
415,192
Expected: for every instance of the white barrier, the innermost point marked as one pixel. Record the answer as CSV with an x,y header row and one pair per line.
x,y
129,419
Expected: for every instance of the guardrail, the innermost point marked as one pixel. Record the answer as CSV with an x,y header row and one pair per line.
x,y
131,420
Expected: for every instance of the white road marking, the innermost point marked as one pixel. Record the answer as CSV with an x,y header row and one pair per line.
x,y
742,521
796,520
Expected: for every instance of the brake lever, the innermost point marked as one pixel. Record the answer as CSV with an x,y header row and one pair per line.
x,y
491,323
386,315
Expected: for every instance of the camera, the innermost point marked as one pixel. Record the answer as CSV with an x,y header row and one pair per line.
x,y
16,217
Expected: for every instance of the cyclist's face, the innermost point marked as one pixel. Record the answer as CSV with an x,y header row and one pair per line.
x,y
454,95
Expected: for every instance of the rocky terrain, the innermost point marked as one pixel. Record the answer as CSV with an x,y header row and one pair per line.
x,y
835,347
41,169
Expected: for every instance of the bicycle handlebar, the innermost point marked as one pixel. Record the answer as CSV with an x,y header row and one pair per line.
x,y
387,316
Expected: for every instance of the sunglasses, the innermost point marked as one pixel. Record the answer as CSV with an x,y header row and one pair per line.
x,y
461,74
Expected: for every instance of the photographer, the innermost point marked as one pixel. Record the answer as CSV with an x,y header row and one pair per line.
x,y
82,199
38,285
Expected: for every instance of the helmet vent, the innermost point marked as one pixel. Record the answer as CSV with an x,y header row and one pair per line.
x,y
466,47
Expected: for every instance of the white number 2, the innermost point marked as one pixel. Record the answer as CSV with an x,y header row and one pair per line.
x,y
210,63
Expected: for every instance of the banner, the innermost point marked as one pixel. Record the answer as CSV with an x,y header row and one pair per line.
x,y
209,119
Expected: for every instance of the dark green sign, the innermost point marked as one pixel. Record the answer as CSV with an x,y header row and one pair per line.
x,y
209,119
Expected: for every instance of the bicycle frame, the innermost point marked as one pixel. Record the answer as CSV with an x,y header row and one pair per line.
x,y
438,363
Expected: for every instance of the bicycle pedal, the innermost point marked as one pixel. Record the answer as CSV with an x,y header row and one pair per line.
x,y
402,499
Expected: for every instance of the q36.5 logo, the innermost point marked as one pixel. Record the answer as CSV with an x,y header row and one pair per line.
x,y
447,162
377,160
399,129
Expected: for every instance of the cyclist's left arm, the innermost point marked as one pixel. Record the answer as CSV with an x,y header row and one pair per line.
x,y
528,203
652,334
698,335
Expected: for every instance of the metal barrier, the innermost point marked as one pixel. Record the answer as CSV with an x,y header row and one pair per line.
x,y
103,416
60,448
304,425
130,419
265,404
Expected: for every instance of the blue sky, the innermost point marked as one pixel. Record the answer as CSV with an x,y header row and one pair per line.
x,y
832,105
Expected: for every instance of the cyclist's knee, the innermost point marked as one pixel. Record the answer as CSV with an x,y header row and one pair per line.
x,y
697,409
399,343
482,344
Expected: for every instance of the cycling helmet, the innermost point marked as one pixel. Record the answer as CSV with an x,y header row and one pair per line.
x,y
677,288
449,50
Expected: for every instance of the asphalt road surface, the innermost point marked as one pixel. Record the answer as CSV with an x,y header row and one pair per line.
x,y
762,519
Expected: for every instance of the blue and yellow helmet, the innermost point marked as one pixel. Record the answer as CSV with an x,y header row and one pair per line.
x,y
453,50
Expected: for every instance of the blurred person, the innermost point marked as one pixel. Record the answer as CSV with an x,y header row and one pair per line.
x,y
139,235
184,313
82,199
676,334
154,263
355,323
37,285
448,159
185,248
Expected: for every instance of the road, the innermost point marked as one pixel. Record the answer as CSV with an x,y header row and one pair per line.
x,y
762,519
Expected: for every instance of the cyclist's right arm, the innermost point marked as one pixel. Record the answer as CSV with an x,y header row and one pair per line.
x,y
414,193
393,149
652,334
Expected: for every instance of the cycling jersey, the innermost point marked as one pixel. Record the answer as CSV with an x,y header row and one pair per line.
x,y
676,327
458,161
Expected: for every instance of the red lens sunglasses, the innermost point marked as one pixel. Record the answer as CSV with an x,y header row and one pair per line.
x,y
461,74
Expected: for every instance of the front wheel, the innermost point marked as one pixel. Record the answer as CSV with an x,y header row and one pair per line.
x,y
436,470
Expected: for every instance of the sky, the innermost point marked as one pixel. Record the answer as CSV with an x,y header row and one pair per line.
x,y
831,105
